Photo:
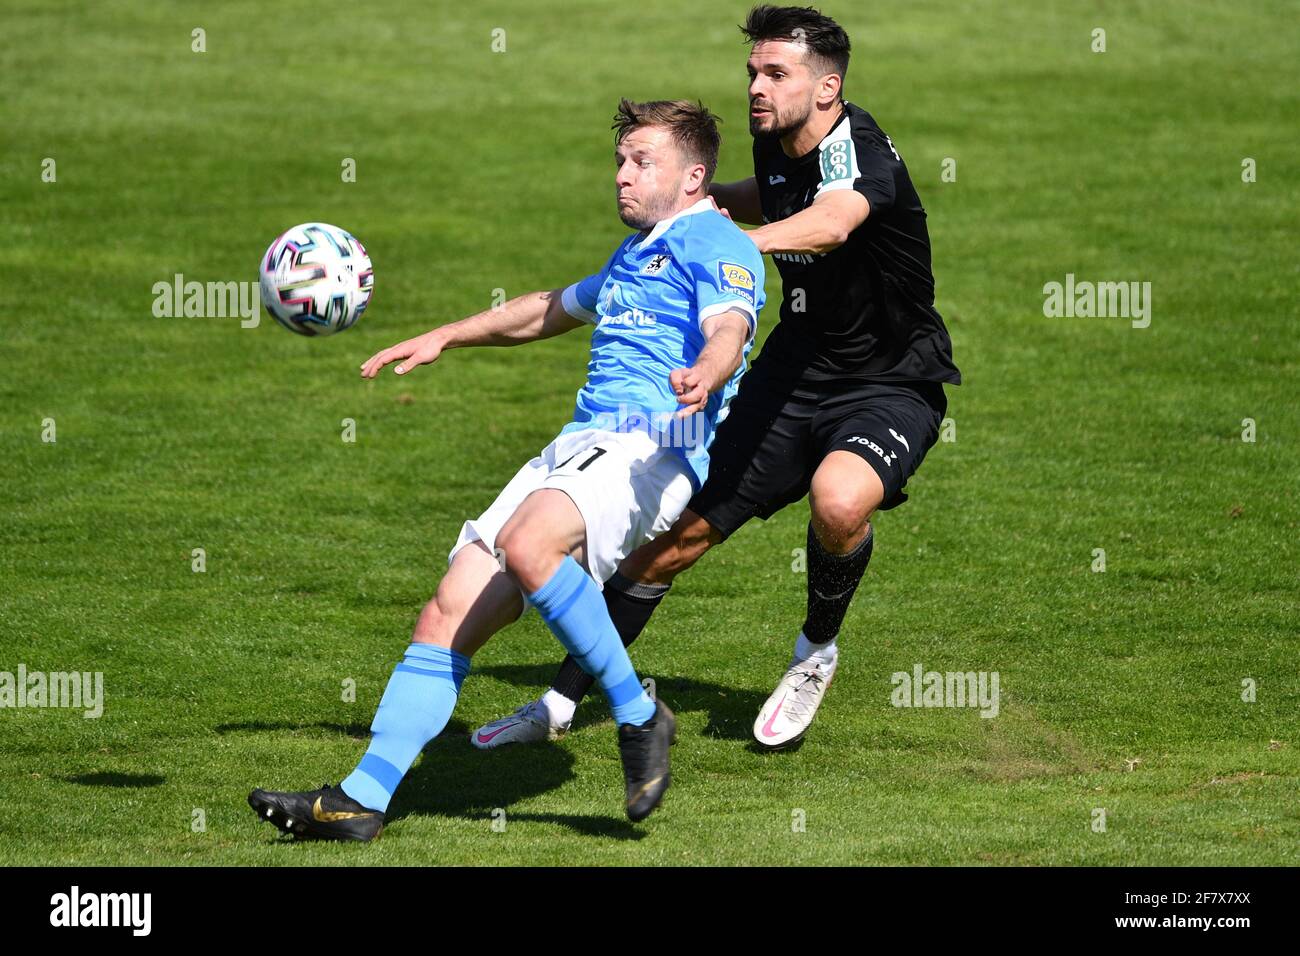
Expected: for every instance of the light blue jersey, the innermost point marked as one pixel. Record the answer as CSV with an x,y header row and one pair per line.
x,y
648,305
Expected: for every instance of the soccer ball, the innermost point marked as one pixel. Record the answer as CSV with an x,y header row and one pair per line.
x,y
316,279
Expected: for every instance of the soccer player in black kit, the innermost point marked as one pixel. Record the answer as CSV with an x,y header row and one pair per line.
x,y
847,395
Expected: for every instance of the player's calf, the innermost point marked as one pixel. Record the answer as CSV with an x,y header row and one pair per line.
x,y
631,596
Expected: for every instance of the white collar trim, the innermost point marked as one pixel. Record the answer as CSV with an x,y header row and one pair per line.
x,y
837,131
662,225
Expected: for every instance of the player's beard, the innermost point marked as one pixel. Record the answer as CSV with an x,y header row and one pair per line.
x,y
783,124
646,215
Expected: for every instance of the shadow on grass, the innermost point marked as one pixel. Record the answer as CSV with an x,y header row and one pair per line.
x,y
453,778
610,828
359,731
109,778
731,711
755,747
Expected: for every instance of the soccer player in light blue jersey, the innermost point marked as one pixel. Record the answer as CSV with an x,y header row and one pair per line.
x,y
674,311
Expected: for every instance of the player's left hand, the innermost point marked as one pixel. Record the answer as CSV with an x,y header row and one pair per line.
x,y
688,386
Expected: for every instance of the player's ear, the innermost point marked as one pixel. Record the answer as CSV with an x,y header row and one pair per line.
x,y
828,90
695,176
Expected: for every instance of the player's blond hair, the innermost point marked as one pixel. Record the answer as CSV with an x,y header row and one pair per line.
x,y
694,129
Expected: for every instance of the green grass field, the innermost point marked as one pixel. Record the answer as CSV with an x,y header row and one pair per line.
x,y
477,171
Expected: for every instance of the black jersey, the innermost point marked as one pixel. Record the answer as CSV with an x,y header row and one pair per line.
x,y
864,311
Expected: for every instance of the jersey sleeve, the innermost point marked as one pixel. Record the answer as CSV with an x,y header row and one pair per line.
x,y
728,275
866,163
579,299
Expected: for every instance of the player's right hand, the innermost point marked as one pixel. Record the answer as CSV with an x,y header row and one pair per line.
x,y
688,385
421,350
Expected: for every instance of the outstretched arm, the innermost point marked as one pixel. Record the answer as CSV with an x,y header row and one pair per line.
x,y
821,227
525,318
726,334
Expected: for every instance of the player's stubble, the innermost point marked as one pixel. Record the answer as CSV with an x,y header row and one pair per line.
x,y
659,206
777,124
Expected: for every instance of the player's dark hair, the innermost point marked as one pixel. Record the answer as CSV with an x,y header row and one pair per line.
x,y
694,129
826,40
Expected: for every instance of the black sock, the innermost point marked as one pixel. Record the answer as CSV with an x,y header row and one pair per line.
x,y
832,579
630,605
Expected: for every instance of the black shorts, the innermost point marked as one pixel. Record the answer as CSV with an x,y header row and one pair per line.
x,y
776,433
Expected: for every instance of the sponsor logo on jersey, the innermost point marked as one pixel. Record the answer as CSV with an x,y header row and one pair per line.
x,y
737,280
836,162
900,439
773,180
631,317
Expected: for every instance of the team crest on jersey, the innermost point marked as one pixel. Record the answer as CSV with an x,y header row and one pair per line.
x,y
736,279
655,265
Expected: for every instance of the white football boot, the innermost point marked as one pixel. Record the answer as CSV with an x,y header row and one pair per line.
x,y
789,712
529,724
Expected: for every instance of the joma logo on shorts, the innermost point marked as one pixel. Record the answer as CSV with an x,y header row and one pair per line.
x,y
887,457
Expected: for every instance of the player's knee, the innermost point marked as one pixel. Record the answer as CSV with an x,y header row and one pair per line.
x,y
838,513
523,554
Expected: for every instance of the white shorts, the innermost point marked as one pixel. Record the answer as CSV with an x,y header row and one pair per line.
x,y
628,489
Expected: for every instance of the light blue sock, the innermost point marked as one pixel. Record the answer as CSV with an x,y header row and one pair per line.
x,y
572,607
416,706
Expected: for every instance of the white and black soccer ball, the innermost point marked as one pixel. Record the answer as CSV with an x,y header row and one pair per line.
x,y
316,279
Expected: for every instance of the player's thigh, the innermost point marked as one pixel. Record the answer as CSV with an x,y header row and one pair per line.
x,y
889,428
475,599
628,494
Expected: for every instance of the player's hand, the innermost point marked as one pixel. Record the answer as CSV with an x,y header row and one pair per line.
x,y
719,208
688,385
421,350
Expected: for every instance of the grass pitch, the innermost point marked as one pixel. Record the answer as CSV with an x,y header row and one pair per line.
x,y
477,170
